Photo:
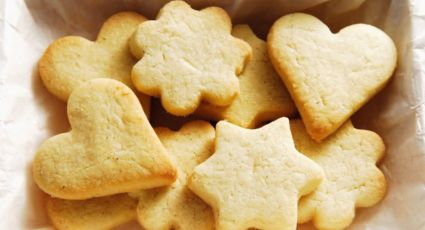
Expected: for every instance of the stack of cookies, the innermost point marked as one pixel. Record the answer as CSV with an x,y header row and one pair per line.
x,y
256,168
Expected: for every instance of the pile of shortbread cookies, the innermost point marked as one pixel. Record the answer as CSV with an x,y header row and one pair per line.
x,y
256,168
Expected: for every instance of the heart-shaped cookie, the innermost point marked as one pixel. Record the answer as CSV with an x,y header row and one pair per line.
x,y
111,148
329,76
168,207
70,61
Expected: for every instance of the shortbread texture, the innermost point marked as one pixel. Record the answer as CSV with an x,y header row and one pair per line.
x,y
110,149
171,207
348,158
329,76
255,177
175,206
188,56
263,96
71,61
97,213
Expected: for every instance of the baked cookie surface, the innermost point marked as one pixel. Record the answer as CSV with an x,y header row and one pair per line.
x,y
348,158
188,56
329,76
97,213
171,207
110,149
263,96
175,206
255,177
71,61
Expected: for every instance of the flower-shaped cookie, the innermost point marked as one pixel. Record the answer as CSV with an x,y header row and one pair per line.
x,y
263,96
70,61
348,158
188,56
175,206
111,148
329,76
255,177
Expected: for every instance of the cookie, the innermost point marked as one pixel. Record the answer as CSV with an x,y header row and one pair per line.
x,y
110,149
348,158
255,177
97,213
188,56
263,96
175,206
329,76
172,207
70,61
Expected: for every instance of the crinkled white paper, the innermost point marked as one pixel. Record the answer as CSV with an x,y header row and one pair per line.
x,y
29,114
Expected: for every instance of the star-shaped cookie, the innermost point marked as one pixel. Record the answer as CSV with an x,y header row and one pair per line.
x,y
255,177
110,149
348,158
263,96
175,206
188,56
70,61
329,76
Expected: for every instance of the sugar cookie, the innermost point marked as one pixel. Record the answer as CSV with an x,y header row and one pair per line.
x,y
97,213
348,158
263,96
188,56
255,177
111,148
70,61
175,206
329,76
172,207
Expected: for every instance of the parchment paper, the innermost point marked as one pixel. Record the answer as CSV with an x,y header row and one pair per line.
x,y
29,114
